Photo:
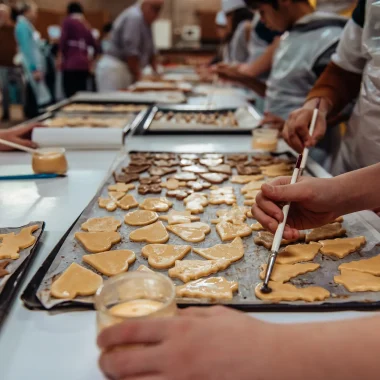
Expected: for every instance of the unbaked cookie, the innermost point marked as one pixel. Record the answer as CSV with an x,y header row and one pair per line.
x,y
285,272
214,288
196,203
127,202
116,195
251,186
190,270
106,224
234,215
358,282
298,253
96,242
76,281
228,231
223,169
121,187
111,263
266,239
244,179
370,266
340,248
143,268
257,227
156,204
140,218
191,232
232,252
163,256
173,184
179,217
153,234
107,203
328,231
215,178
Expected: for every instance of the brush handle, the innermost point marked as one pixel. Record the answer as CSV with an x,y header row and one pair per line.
x,y
18,146
305,154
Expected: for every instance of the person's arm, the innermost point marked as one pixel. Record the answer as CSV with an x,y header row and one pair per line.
x,y
20,135
316,202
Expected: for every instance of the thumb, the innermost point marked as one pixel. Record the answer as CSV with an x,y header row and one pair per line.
x,y
287,193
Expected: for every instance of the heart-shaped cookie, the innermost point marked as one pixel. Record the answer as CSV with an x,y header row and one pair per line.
x,y
96,242
163,256
191,232
111,263
76,281
232,252
156,204
228,231
153,234
140,218
106,224
127,202
179,217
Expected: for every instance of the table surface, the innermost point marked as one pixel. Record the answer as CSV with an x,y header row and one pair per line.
x,y
38,344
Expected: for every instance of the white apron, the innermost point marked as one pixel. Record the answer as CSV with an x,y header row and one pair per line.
x,y
361,145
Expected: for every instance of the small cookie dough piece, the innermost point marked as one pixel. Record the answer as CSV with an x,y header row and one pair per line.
x,y
136,169
166,163
156,204
211,162
127,202
96,242
111,263
370,266
179,194
190,270
143,268
298,253
257,227
173,184
251,186
228,231
358,282
179,217
252,194
215,178
285,272
277,170
195,169
219,199
121,187
289,293
106,224
74,282
198,185
235,215
328,231
185,177
340,248
191,232
149,189
161,171
189,156
232,252
154,180
265,239
108,204
163,256
140,218
214,288
247,170
153,234
196,203
223,169
3,271
125,178
116,195
244,179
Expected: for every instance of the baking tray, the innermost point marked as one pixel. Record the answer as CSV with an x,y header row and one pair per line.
x,y
10,284
245,271
150,126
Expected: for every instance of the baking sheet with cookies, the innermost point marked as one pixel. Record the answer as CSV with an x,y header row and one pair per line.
x,y
199,119
14,265
246,272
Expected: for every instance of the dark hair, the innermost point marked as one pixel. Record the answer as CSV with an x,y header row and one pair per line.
x,y
107,28
253,4
74,7
239,15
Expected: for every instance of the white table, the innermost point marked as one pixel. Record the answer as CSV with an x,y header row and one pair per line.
x,y
37,345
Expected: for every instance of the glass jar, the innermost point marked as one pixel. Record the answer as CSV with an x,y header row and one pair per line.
x,y
265,139
50,161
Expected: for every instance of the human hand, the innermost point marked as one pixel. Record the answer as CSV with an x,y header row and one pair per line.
x,y
314,204
245,69
214,344
19,135
296,130
273,121
37,75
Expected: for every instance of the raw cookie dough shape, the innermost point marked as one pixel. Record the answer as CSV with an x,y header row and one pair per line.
x,y
244,179
3,271
257,227
290,293
11,244
265,239
214,288
116,195
153,234
125,178
161,171
215,178
235,215
340,248
111,263
162,256
232,252
190,270
211,161
106,224
222,169
185,177
127,202
173,184
198,185
298,253
96,242
149,189
156,204
140,218
195,169
179,194
107,203
76,281
370,266
196,203
251,186
179,217
285,272
358,282
328,231
191,232
228,231
121,187
143,268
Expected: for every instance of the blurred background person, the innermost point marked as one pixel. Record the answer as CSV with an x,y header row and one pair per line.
x,y
222,32
76,40
33,59
105,43
131,49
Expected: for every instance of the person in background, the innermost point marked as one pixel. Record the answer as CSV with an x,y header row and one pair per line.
x,y
131,49
33,60
222,32
20,135
76,39
353,74
106,38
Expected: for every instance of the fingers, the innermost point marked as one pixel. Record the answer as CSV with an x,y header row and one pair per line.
x,y
320,131
135,332
23,129
266,221
131,361
24,142
287,193
269,207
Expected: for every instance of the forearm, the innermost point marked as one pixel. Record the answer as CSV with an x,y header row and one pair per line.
x,y
358,190
263,64
134,67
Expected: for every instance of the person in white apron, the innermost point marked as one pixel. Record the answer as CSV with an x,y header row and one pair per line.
x,y
355,69
131,47
33,61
